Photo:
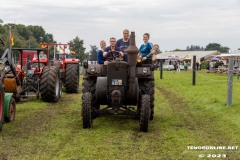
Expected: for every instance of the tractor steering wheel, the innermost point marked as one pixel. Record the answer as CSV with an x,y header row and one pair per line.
x,y
114,55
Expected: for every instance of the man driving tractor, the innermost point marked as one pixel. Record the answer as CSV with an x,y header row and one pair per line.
x,y
111,52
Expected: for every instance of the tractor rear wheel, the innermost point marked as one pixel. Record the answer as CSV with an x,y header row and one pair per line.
x,y
72,78
1,105
147,87
144,113
12,111
86,110
50,84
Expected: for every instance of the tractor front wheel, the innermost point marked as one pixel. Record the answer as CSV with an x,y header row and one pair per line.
x,y
86,110
89,85
144,113
11,111
72,78
147,87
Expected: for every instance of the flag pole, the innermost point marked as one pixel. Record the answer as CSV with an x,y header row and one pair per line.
x,y
54,57
10,38
10,35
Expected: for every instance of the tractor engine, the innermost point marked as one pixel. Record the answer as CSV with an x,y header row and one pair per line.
x,y
114,89
31,80
117,80
120,86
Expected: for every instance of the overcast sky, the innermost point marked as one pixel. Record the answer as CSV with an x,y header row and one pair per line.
x,y
171,23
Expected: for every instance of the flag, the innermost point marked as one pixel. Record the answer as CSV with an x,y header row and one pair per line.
x,y
61,48
72,52
11,40
42,45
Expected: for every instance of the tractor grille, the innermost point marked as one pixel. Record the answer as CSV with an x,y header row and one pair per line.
x,y
117,73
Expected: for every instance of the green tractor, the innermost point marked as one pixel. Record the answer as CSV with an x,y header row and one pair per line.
x,y
7,107
7,101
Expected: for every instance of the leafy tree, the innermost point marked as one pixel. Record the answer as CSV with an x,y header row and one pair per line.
x,y
23,31
194,48
1,21
224,50
30,37
24,36
216,46
93,53
213,46
177,49
38,32
77,46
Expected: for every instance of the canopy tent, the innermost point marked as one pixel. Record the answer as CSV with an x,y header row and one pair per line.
x,y
173,58
215,59
187,57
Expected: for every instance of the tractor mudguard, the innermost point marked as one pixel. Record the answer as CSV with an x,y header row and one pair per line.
x,y
7,99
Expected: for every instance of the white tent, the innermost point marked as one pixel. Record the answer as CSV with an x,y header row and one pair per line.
x,y
188,54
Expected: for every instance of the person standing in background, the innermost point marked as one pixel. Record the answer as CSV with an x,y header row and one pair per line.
x,y
238,73
178,67
197,65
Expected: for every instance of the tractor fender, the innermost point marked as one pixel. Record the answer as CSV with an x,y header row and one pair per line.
x,y
101,88
7,99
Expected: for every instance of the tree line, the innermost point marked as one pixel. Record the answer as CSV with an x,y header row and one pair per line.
x,y
209,47
32,35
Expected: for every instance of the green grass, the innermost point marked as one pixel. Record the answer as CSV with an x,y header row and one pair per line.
x,y
185,115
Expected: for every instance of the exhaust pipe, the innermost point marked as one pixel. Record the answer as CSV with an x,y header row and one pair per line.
x,y
132,52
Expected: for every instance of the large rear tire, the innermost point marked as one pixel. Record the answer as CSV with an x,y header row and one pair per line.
x,y
147,87
12,111
72,78
86,110
144,113
50,84
1,105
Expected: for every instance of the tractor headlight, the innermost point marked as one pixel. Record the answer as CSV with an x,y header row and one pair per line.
x,y
92,69
145,70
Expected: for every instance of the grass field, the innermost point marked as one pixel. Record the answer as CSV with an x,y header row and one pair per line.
x,y
185,115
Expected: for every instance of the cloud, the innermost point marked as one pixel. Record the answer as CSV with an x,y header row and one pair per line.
x,y
172,24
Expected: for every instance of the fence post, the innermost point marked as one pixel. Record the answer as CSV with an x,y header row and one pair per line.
x,y
161,69
194,71
230,82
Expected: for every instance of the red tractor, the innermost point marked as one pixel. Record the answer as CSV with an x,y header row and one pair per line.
x,y
69,68
37,80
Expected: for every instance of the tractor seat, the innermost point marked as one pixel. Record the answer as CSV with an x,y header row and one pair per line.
x,y
10,75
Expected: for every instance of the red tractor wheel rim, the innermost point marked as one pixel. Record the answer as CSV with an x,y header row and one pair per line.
x,y
1,106
12,110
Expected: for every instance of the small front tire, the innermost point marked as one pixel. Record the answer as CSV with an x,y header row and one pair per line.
x,y
144,113
86,110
